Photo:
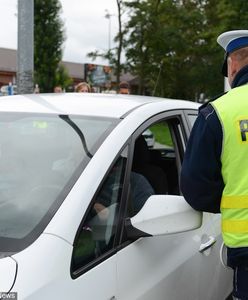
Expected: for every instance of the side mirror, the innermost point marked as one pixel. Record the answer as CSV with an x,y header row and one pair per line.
x,y
162,215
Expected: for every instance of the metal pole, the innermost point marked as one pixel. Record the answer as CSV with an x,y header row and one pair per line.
x,y
108,16
25,53
110,32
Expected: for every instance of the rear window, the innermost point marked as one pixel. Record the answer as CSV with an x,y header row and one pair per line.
x,y
41,157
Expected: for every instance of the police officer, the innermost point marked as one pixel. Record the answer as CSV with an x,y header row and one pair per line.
x,y
214,175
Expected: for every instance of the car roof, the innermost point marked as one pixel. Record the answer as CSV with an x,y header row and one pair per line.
x,y
89,104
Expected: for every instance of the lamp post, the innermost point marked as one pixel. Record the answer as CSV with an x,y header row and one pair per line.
x,y
25,51
108,16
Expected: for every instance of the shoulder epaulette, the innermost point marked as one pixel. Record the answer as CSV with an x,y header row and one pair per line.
x,y
211,100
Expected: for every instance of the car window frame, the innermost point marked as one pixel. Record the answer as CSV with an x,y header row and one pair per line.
x,y
82,270
164,116
187,113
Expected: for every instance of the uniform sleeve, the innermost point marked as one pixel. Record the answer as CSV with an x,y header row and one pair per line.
x,y
141,190
201,180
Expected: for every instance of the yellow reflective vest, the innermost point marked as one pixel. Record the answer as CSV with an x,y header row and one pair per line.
x,y
232,111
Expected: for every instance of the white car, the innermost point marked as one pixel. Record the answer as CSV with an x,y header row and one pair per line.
x,y
89,211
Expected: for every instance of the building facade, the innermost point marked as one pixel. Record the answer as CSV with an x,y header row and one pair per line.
x,y
100,77
8,68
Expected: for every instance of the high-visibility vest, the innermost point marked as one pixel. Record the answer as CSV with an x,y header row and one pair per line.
x,y
232,111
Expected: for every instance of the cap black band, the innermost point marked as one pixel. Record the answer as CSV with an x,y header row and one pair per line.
x,y
224,66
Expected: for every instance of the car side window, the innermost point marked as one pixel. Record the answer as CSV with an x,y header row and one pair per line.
x,y
98,232
154,161
192,118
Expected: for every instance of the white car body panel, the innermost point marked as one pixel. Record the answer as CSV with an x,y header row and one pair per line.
x,y
8,269
178,261
47,274
168,261
76,103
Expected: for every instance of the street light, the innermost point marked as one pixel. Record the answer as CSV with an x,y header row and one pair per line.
x,y
25,64
108,16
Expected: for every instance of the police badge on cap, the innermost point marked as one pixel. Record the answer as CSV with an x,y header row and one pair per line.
x,y
231,41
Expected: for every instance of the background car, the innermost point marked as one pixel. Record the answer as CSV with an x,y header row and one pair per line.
x,y
89,210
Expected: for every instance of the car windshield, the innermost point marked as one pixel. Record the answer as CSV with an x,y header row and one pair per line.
x,y
41,157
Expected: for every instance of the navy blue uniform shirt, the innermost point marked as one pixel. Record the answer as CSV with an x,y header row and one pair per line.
x,y
201,179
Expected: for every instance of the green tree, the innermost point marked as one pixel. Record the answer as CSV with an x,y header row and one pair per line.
x,y
163,44
233,14
138,44
62,77
48,41
171,46
219,16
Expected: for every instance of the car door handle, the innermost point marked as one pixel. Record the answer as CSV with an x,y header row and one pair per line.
x,y
210,242
113,298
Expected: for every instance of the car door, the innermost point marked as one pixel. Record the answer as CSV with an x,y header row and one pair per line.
x,y
177,266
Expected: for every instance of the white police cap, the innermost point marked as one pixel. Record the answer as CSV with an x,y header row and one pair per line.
x,y
231,41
